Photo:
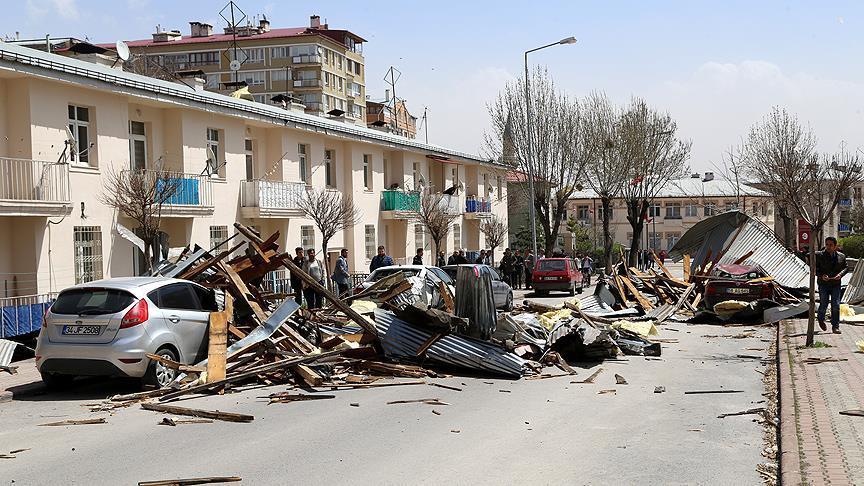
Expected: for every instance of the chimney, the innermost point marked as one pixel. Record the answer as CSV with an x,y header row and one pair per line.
x,y
386,95
696,175
315,21
165,36
264,25
709,176
200,29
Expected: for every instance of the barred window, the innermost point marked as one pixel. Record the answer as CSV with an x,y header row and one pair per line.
x,y
457,237
218,234
418,236
88,253
307,237
370,241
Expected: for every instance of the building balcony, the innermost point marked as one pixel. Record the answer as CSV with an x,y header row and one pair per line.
x,y
271,199
308,83
452,204
187,195
845,203
306,59
478,208
34,188
398,204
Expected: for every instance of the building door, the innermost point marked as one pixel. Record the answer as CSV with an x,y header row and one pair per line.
x,y
250,161
137,146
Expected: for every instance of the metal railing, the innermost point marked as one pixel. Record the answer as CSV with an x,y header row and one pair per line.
x,y
23,315
451,204
398,200
473,204
271,194
187,189
308,83
306,59
33,180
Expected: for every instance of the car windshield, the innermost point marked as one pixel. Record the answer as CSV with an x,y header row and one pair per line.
x,y
92,301
385,272
552,265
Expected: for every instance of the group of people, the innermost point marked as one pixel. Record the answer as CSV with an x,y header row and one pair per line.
x,y
314,267
645,260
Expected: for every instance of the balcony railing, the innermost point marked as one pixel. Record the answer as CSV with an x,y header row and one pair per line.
x,y
845,203
271,194
186,190
396,200
307,59
24,180
473,204
451,204
308,83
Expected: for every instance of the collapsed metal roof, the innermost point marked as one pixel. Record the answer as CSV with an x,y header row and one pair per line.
x,y
730,236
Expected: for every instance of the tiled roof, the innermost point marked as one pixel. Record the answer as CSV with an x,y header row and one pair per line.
x,y
692,187
271,34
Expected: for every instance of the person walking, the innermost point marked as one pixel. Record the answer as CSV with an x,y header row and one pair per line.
x,y
341,275
507,262
418,258
830,268
382,259
441,261
315,269
587,268
518,266
296,283
529,267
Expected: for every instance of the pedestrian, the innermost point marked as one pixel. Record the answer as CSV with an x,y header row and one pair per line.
x,y
481,259
640,260
587,268
418,258
490,260
529,267
507,262
441,261
296,282
662,256
460,257
830,267
453,258
315,269
518,266
649,262
341,275
382,259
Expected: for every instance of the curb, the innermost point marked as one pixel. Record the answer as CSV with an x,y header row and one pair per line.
x,y
790,454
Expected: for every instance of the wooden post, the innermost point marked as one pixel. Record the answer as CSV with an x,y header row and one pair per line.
x,y
218,346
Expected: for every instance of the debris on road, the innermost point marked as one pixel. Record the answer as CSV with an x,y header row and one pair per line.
x,y
706,392
743,412
214,414
619,380
659,389
191,481
100,420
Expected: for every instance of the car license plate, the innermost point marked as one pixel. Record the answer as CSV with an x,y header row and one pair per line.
x,y
738,290
81,330
550,278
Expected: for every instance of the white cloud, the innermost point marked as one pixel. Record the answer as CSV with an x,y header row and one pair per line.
x,y
65,9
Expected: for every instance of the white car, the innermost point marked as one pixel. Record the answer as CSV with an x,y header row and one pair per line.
x,y
425,272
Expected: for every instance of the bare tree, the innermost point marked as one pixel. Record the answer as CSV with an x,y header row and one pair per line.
x,y
495,231
606,171
646,137
140,195
331,212
556,153
783,155
433,212
856,216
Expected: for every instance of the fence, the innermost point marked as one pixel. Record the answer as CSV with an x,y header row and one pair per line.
x,y
23,315
271,194
396,200
33,180
188,189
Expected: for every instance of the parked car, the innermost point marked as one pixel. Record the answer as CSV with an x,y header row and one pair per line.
x,y
106,327
435,274
556,274
501,291
736,282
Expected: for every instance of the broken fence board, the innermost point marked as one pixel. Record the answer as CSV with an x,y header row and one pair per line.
x,y
193,412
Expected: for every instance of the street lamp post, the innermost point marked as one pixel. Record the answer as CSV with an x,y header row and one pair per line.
x,y
531,212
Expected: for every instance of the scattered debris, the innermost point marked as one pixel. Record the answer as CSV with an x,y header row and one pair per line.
x,y
13,454
743,412
825,359
436,412
455,431
215,414
590,379
174,422
604,392
704,392
100,420
854,413
287,397
659,389
427,401
191,481
619,380
354,404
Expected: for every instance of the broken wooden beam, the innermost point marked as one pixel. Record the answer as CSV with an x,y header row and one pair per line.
x,y
191,481
193,412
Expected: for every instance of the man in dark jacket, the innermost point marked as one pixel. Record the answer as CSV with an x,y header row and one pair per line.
x,y
507,263
296,283
382,259
418,258
830,267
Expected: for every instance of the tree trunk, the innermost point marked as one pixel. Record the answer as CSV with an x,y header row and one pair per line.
x,y
789,236
606,203
147,259
811,314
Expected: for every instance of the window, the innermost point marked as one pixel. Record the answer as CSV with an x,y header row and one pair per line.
x,y
764,209
280,75
307,236
253,78
710,209
212,81
206,298
367,172
415,175
498,187
250,160
280,52
691,210
137,145
731,205
654,210
604,216
457,237
370,241
79,125
673,210
94,301
213,165
582,213
88,253
218,234
304,168
671,239
305,53
253,55
203,58
418,236
654,240
177,296
329,176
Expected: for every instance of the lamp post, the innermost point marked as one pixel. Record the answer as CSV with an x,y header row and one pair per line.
x,y
531,212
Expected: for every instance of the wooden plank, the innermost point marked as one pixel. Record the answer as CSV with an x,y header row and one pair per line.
x,y
660,265
197,269
194,412
745,256
217,345
449,305
243,293
170,363
686,265
248,233
696,300
620,286
644,302
100,420
191,481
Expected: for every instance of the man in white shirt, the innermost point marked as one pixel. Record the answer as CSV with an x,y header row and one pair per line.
x,y
315,269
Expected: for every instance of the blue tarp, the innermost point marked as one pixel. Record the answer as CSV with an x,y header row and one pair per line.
x,y
187,191
21,319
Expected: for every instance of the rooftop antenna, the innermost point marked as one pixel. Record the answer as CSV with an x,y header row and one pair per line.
x,y
394,75
122,52
234,16
424,122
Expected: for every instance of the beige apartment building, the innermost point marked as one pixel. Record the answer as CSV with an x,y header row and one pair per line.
x,y
236,160
321,68
679,205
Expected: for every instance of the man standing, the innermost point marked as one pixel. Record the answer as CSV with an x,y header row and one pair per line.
x,y
453,258
460,258
518,266
341,275
507,266
441,261
830,267
529,267
481,258
587,268
315,269
418,258
382,259
296,283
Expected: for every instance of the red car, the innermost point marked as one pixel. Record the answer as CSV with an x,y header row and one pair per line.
x,y
556,274
736,282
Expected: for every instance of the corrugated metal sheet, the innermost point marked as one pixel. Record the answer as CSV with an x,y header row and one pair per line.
x,y
854,293
719,232
402,340
7,349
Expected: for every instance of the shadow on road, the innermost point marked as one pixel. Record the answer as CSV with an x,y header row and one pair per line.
x,y
89,388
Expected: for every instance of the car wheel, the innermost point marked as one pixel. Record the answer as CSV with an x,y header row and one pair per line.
x,y
56,382
508,305
158,374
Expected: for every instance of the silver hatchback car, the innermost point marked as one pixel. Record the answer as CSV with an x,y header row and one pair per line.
x,y
106,327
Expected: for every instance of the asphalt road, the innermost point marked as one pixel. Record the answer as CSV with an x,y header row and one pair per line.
x,y
546,431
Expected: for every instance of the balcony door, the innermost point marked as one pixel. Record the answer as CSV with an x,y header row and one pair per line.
x,y
137,146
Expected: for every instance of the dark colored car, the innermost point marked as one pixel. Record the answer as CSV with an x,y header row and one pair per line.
x,y
556,274
501,291
736,282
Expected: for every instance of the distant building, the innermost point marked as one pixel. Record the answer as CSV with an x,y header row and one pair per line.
x,y
391,115
679,205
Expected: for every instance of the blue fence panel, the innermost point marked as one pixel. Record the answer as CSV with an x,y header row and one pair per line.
x,y
186,193
16,320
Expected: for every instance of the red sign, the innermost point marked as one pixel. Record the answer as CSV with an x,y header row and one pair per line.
x,y
803,234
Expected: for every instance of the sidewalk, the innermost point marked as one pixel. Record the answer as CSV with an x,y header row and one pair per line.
x,y
27,380
818,445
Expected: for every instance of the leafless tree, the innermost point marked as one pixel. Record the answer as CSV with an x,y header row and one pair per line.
x,y
332,212
149,66
646,137
140,195
434,213
556,154
783,155
856,216
495,231
606,171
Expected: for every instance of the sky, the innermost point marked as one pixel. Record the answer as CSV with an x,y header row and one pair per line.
x,y
716,66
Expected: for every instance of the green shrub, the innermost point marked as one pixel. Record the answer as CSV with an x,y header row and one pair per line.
x,y
852,246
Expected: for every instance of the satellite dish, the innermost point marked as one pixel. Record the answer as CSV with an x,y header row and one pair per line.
x,y
461,186
211,159
421,180
234,65
71,142
122,50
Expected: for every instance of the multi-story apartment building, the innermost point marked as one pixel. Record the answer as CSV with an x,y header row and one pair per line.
x,y
391,115
319,67
680,204
237,161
